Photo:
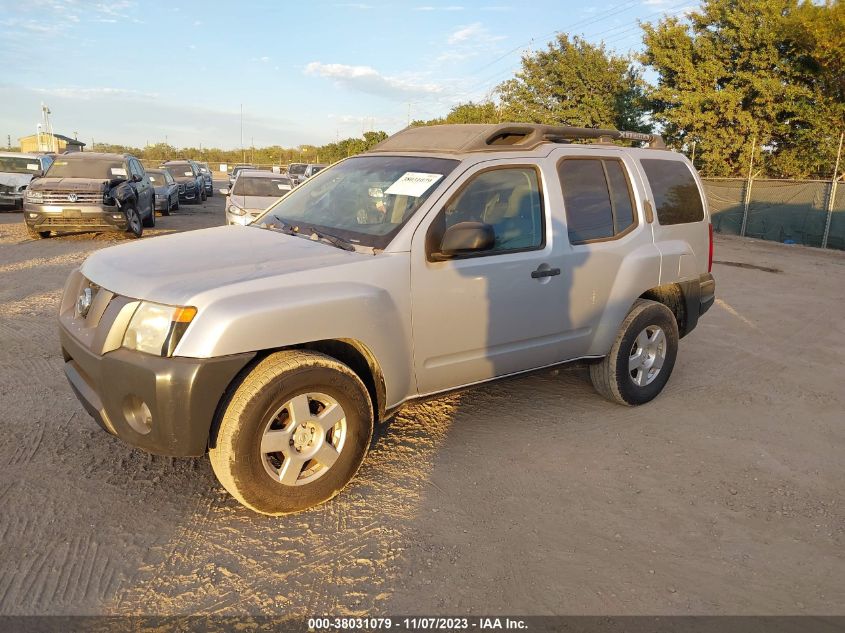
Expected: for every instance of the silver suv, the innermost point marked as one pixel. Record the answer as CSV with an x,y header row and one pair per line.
x,y
445,257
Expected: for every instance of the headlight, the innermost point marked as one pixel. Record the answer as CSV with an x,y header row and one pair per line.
x,y
22,188
235,210
157,329
34,196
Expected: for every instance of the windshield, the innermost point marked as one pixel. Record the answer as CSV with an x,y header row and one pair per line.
x,y
97,168
297,169
364,200
180,171
266,187
157,178
19,165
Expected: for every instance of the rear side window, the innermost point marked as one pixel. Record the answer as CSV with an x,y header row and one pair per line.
x,y
598,198
676,196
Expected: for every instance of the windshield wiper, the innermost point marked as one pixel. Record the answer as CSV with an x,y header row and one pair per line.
x,y
309,232
334,240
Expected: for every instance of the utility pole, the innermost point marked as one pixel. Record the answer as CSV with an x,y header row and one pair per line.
x,y
747,201
832,196
8,141
243,151
409,114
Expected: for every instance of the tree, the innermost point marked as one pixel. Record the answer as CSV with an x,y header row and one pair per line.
x,y
471,112
745,70
574,82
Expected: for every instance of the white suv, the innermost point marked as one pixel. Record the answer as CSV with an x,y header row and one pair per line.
x,y
445,257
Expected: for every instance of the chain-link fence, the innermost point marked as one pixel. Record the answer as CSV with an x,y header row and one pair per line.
x,y
809,212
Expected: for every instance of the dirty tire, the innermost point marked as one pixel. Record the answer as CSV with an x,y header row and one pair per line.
x,y
36,235
236,457
612,377
136,227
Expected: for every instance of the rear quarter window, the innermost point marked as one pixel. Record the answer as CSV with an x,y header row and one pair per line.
x,y
677,199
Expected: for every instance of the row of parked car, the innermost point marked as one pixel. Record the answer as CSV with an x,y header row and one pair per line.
x,y
94,191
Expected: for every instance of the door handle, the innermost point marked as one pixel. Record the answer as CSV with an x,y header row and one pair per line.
x,y
544,271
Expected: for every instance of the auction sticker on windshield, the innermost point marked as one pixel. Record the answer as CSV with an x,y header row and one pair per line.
x,y
412,183
118,171
33,166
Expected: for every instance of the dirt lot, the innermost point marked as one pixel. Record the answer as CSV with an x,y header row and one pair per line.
x,y
535,496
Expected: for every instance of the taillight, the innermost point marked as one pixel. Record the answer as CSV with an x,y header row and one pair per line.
x,y
710,256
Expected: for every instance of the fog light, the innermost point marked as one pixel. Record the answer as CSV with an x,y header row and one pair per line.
x,y
33,215
137,414
116,216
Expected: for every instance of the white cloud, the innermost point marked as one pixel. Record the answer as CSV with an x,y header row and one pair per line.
x,y
428,7
369,80
475,32
355,5
469,41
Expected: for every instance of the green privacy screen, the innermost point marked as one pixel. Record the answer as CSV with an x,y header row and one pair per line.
x,y
792,211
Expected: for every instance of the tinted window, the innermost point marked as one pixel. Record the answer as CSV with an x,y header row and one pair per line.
x,y
676,196
506,199
597,198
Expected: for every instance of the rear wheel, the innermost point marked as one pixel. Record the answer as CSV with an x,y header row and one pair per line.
x,y
134,227
150,221
641,360
293,433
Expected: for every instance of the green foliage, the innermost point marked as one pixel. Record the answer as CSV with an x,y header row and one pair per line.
x,y
574,82
764,69
483,112
273,155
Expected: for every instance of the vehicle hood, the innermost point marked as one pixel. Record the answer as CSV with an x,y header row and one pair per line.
x,y
253,203
173,269
163,189
69,184
14,180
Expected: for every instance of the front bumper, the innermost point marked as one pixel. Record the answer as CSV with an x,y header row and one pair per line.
x,y
11,199
181,394
189,194
162,203
43,217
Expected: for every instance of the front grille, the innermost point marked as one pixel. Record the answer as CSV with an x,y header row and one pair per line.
x,y
7,189
75,222
67,197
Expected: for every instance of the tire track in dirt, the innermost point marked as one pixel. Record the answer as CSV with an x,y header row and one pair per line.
x,y
337,558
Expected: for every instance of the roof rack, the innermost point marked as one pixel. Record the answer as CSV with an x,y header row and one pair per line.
x,y
472,137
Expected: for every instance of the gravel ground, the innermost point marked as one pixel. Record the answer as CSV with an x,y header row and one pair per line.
x,y
532,496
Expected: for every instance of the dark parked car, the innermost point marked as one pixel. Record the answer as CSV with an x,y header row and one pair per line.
x,y
209,181
187,175
90,192
166,190
234,171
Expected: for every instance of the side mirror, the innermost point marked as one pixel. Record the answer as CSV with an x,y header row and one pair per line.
x,y
224,191
137,178
465,238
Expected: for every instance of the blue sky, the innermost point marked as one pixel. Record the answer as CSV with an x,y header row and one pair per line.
x,y
138,72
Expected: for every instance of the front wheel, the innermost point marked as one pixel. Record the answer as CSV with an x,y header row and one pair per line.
x,y
641,360
293,433
134,227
